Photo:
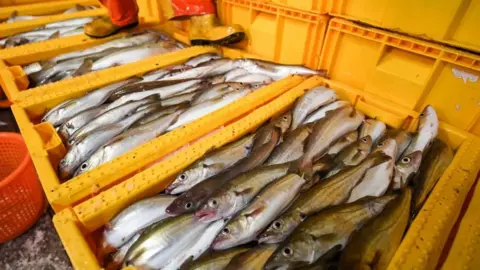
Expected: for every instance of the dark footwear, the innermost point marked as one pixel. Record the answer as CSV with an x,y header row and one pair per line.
x,y
204,30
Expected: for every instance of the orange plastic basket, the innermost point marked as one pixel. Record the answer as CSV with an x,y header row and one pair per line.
x,y
21,196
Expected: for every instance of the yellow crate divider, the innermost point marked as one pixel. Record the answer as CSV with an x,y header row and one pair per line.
x,y
405,71
8,29
270,29
463,253
6,3
48,8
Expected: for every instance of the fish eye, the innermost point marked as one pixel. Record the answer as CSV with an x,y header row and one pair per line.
x,y
277,225
406,160
285,117
213,203
63,162
84,166
287,252
188,205
381,144
226,230
303,216
422,114
183,177
364,139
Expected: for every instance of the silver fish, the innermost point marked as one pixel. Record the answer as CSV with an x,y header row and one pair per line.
x,y
69,108
216,91
134,218
78,121
85,145
406,168
343,143
272,70
203,58
109,117
202,109
322,111
72,22
266,207
127,141
180,99
31,68
427,131
310,101
134,54
235,73
252,78
292,147
212,164
128,41
373,128
116,259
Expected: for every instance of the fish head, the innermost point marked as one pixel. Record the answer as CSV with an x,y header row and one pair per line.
x,y
280,228
283,121
351,137
68,164
388,147
183,180
428,116
365,143
94,161
185,203
230,234
218,206
297,251
406,167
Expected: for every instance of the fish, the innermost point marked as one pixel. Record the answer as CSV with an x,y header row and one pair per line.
x,y
198,246
272,201
265,140
373,128
212,164
377,179
84,146
436,161
235,195
403,139
69,23
292,147
130,55
165,88
326,230
329,192
78,121
426,132
130,40
218,90
322,111
406,168
159,113
162,92
274,70
217,260
108,117
197,111
163,240
120,229
326,132
352,155
46,73
310,101
252,78
234,73
200,59
374,245
31,68
253,259
127,141
64,111
343,143
115,260
180,99
206,69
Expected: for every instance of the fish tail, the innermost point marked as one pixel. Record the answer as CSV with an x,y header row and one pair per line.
x,y
84,68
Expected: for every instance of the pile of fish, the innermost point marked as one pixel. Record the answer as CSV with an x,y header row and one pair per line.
x,y
320,186
110,121
133,47
49,31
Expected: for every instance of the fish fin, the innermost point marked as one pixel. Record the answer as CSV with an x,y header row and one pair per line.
x,y
54,35
84,68
13,14
244,191
185,265
80,7
255,212
46,63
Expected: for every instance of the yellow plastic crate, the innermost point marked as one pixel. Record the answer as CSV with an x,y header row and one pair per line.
x,y
405,71
40,8
46,148
463,253
454,22
271,28
6,3
78,227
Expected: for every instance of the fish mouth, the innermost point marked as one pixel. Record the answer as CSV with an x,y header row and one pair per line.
x,y
220,243
267,239
206,215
